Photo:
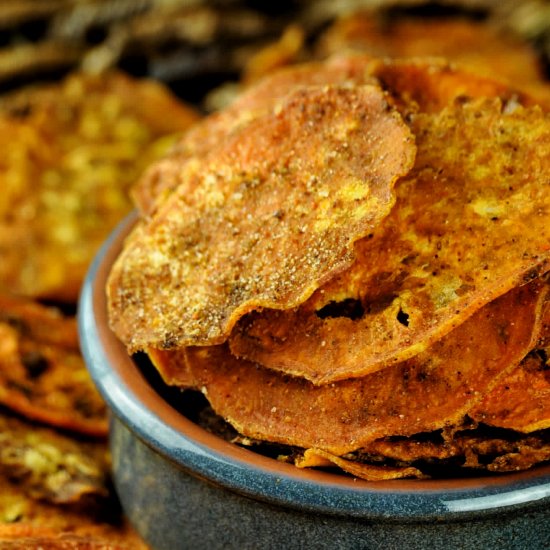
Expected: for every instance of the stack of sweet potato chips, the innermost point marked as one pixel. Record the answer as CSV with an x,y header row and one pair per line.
x,y
352,260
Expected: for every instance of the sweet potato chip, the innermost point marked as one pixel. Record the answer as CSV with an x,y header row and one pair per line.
x,y
475,45
370,472
286,50
27,523
434,389
272,214
50,466
503,452
163,177
42,374
427,447
470,223
67,541
429,84
521,401
69,153
44,324
526,456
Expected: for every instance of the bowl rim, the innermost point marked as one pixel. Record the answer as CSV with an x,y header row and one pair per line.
x,y
156,423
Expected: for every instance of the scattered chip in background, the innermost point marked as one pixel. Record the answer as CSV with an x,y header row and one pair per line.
x,y
70,153
42,374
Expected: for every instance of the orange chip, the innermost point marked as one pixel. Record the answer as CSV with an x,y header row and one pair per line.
x,y
27,523
470,223
430,83
472,448
44,324
269,215
275,55
51,466
521,401
48,540
370,472
69,153
165,176
42,374
526,456
433,390
477,46
429,448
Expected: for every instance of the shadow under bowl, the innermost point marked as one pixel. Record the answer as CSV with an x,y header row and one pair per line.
x,y
183,487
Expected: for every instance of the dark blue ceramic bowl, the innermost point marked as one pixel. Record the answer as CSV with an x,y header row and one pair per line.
x,y
183,487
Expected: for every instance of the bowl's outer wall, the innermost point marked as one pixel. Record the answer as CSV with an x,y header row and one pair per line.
x,y
162,460
173,510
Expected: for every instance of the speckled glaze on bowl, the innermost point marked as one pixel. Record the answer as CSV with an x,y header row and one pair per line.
x,y
183,487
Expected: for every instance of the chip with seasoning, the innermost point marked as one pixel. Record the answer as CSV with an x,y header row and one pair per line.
x,y
42,374
27,522
392,359
427,84
51,466
521,400
56,491
69,153
269,216
314,458
434,389
166,175
458,448
457,238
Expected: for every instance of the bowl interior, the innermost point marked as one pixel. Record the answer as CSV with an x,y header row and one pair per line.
x,y
145,411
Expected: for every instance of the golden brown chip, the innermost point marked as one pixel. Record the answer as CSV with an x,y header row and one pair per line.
x,y
285,50
470,222
410,449
56,489
271,214
523,458
51,466
521,401
461,445
21,515
370,472
429,84
29,523
68,154
46,540
503,452
42,374
173,367
472,44
163,177
434,389
43,324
